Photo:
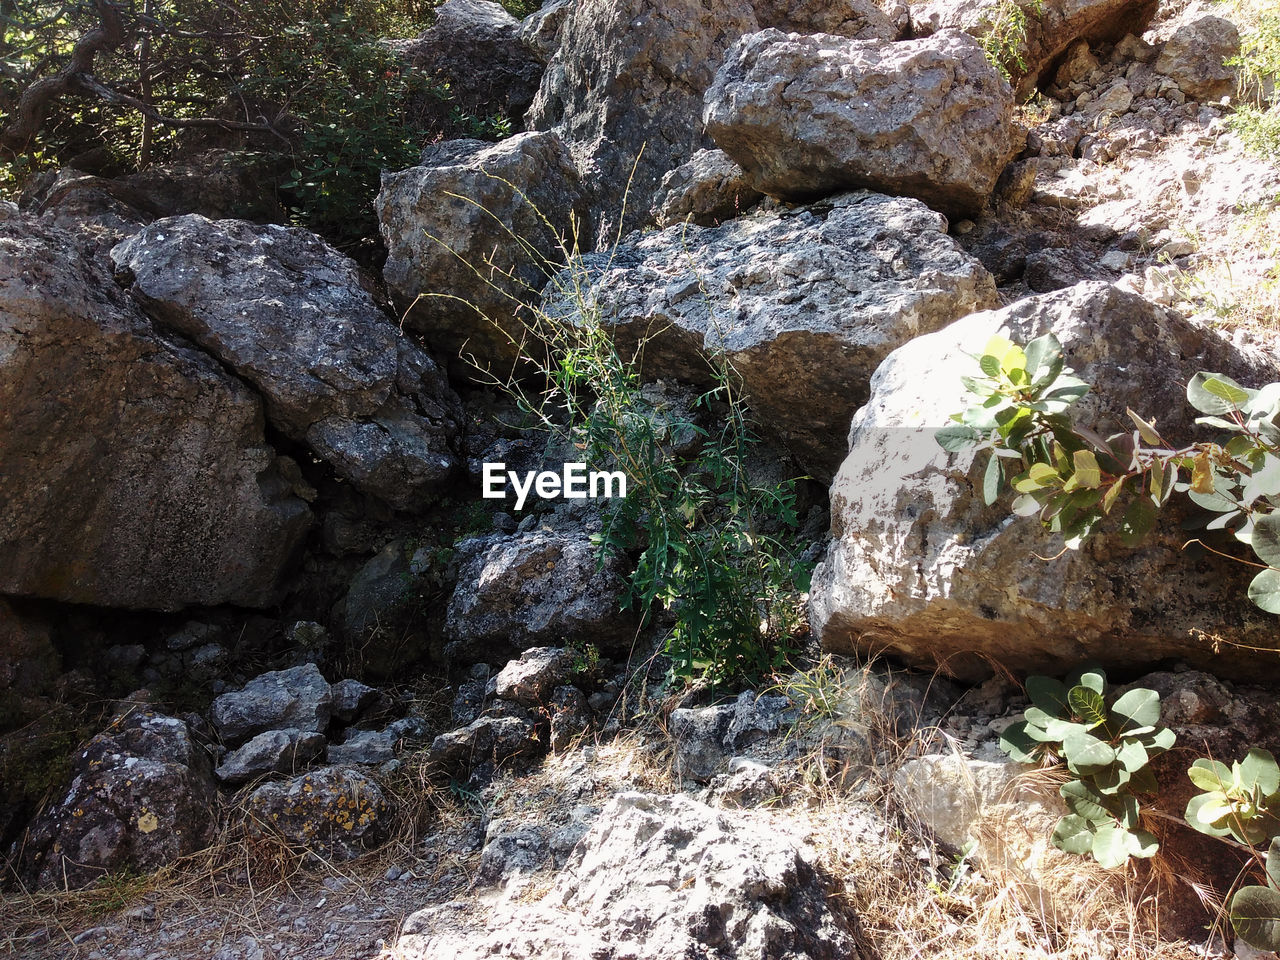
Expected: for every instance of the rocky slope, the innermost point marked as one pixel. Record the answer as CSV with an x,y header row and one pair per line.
x,y
348,707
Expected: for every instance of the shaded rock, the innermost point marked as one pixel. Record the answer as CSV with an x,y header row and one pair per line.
x,y
706,189
570,717
1053,268
486,739
1050,30
194,634
276,751
292,317
384,602
218,185
375,746
141,796
335,811
625,87
350,699
808,116
475,47
297,698
528,679
1194,57
540,30
532,589
664,878
512,849
624,90
480,222
706,738
919,567
804,303
136,470
29,665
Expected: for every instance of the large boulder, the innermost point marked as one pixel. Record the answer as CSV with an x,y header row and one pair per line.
x,y
472,234
625,87
1197,57
141,796
534,589
920,567
804,303
475,48
290,315
136,471
807,116
663,878
1051,27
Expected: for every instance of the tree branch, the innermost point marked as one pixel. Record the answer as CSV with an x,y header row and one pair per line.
x,y
33,106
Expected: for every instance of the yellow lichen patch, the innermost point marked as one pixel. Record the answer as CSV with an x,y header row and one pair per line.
x,y
148,822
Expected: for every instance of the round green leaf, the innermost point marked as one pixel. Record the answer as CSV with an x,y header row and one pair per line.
x,y
1074,834
1087,704
1273,864
1132,755
1210,775
1111,846
1196,821
1258,768
1216,394
1020,747
1048,694
1139,707
1266,539
1255,916
1264,591
956,438
1141,843
1084,800
1087,754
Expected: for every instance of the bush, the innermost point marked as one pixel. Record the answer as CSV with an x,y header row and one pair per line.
x,y
711,543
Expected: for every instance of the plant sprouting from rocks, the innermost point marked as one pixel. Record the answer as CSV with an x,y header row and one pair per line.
x,y
1108,748
1074,478
1243,802
1005,35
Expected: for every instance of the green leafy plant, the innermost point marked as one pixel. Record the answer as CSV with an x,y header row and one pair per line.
x,y
708,541
1256,119
1108,747
1243,801
1004,36
1074,478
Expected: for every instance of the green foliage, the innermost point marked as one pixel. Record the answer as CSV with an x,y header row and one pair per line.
x,y
1005,35
1243,801
1257,119
710,541
1074,478
1107,747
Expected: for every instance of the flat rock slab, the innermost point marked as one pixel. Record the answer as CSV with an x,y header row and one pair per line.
x,y
804,303
808,116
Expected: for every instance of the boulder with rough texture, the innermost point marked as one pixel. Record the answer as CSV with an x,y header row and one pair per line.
x,y
625,87
351,698
663,878
276,751
921,568
804,303
532,676
706,738
540,30
141,796
1050,30
1195,57
135,472
480,224
489,738
291,316
298,698
808,116
337,812
707,189
476,48
533,589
